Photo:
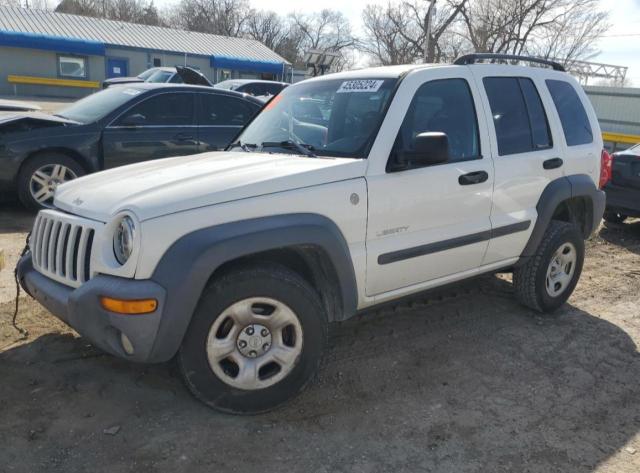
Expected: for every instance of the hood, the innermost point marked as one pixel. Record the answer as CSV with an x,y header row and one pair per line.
x,y
9,117
155,188
26,122
193,77
15,105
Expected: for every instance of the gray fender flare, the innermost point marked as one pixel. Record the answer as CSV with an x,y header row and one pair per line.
x,y
188,264
557,191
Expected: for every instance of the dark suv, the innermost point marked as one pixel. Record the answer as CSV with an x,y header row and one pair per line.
x,y
623,192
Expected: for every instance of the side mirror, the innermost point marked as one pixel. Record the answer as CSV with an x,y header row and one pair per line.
x,y
134,120
430,148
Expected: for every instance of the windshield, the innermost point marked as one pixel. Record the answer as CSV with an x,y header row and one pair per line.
x,y
329,117
160,76
145,75
98,105
227,84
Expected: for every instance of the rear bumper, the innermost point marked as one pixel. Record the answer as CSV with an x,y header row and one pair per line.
x,y
623,200
80,309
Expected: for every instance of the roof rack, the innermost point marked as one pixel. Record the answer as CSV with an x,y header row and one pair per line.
x,y
473,58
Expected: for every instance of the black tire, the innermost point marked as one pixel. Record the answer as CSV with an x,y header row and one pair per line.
x,y
267,280
529,279
37,162
614,217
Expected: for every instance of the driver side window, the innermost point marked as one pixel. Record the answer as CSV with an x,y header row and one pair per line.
x,y
442,106
160,110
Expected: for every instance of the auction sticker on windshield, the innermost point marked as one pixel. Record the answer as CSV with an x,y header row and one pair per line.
x,y
360,85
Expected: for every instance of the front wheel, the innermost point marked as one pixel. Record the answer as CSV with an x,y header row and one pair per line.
x,y
547,279
255,340
40,176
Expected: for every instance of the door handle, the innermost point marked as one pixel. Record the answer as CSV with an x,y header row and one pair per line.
x,y
473,178
183,137
553,163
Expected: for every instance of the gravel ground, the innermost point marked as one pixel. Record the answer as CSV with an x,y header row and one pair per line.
x,y
461,380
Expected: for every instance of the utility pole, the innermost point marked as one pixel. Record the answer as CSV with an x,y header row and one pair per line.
x,y
428,24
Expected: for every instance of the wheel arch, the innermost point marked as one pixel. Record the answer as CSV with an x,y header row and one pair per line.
x,y
574,199
68,152
310,261
310,244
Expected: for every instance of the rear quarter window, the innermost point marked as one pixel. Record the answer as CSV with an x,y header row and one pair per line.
x,y
575,121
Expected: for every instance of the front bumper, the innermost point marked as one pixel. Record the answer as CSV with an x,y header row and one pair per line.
x,y
80,309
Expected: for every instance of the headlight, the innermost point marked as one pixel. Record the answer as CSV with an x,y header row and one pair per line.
x,y
123,239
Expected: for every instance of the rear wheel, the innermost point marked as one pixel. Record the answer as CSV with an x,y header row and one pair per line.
x,y
547,279
40,177
255,340
614,217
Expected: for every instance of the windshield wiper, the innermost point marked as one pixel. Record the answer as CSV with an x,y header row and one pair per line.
x,y
302,148
246,147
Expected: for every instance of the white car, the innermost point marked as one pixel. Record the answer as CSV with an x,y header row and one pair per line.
x,y
387,182
255,87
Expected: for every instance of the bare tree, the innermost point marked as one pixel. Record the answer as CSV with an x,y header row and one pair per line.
x,y
133,11
573,35
406,32
222,17
81,7
327,30
436,18
385,35
276,32
124,10
564,29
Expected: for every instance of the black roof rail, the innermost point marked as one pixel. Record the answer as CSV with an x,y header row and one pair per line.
x,y
473,58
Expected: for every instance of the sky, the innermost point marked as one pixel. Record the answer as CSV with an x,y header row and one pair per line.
x,y
620,47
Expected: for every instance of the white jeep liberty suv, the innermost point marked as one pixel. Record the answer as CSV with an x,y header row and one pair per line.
x,y
346,191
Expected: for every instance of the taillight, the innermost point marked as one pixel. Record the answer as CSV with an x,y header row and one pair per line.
x,y
606,165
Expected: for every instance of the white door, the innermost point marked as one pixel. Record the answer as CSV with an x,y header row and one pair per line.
x,y
429,222
528,152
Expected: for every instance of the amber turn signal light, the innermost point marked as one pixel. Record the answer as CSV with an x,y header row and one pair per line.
x,y
129,307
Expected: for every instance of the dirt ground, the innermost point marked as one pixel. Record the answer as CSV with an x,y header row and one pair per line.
x,y
462,380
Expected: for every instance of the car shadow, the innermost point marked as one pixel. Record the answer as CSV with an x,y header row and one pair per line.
x,y
625,235
463,379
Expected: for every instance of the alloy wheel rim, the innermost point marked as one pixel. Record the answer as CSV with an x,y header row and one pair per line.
x,y
561,269
46,179
254,343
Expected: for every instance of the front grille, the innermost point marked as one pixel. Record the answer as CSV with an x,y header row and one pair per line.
x,y
61,246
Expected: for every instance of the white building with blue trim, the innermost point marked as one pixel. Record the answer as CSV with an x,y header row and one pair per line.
x,y
43,53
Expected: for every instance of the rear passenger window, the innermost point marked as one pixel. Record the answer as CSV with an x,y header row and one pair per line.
x,y
518,115
167,109
575,122
222,110
541,137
